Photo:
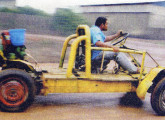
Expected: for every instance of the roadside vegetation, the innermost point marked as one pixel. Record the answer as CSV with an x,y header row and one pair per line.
x,y
25,10
64,21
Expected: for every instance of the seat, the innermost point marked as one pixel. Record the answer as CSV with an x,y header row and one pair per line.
x,y
96,66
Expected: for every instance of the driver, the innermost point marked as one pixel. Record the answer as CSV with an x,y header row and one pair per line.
x,y
99,40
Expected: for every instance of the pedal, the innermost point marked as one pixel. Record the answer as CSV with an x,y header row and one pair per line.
x,y
115,70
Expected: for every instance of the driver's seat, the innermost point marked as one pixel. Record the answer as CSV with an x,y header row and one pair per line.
x,y
96,65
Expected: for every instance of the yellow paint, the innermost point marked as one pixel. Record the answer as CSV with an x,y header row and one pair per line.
x,y
147,82
29,65
85,86
120,50
142,66
73,51
2,55
58,83
65,45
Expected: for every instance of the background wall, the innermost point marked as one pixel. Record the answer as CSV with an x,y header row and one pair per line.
x,y
144,20
32,24
7,3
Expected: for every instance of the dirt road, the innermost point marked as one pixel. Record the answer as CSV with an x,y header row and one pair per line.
x,y
84,106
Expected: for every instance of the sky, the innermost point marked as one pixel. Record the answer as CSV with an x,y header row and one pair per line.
x,y
49,6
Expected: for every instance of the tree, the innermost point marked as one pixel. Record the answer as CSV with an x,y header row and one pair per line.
x,y
65,21
25,10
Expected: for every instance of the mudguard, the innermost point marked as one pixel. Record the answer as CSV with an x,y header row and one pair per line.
x,y
147,82
20,64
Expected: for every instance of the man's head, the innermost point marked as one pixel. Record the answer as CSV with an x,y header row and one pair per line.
x,y
102,23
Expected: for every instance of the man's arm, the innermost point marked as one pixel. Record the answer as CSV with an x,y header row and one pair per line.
x,y
109,38
102,44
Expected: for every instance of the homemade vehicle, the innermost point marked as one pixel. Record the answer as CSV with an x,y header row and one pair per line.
x,y
20,82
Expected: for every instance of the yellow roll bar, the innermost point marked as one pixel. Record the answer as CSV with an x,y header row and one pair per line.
x,y
65,48
74,47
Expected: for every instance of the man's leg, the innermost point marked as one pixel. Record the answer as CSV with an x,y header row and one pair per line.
x,y
107,57
120,58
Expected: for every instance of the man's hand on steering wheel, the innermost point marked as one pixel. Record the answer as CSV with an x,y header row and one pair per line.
x,y
119,41
119,33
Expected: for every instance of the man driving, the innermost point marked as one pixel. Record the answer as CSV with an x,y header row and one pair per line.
x,y
100,40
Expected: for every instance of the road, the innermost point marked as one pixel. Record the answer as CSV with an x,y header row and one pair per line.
x,y
102,106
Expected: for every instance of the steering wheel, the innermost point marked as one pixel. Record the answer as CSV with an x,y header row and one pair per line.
x,y
121,41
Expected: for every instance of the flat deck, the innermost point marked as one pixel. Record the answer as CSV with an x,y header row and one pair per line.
x,y
57,82
58,74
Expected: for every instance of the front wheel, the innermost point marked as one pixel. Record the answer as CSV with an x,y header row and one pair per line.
x,y
158,98
17,90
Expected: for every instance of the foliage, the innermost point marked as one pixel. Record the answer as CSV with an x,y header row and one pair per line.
x,y
65,21
25,10
8,10
31,11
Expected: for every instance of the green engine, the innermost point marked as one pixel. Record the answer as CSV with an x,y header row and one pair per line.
x,y
9,50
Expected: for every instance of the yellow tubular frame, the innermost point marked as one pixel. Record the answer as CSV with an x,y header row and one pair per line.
x,y
65,48
127,51
73,51
88,49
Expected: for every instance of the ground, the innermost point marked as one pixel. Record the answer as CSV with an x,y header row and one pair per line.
x,y
104,106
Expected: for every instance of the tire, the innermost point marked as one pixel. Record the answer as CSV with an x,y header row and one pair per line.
x,y
17,90
158,98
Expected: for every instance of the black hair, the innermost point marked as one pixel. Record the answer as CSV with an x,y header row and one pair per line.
x,y
100,20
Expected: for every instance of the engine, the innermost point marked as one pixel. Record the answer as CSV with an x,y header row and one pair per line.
x,y
12,44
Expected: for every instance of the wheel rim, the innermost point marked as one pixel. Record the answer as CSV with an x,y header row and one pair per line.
x,y
162,100
13,92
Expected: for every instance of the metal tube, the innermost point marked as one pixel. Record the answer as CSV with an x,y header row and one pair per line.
x,y
120,50
101,68
142,65
153,59
73,56
64,49
74,46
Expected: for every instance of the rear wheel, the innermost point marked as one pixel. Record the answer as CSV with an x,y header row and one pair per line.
x,y
158,98
17,90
